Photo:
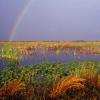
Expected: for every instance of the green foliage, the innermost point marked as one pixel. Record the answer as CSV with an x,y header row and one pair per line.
x,y
85,67
45,74
11,54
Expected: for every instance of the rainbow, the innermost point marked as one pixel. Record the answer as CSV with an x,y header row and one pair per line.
x,y
19,19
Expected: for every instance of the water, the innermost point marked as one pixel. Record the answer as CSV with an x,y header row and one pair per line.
x,y
51,56
42,56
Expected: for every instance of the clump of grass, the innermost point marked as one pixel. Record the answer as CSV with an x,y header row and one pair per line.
x,y
77,87
66,84
11,89
17,90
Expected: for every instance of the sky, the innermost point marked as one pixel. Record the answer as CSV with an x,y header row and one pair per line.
x,y
63,20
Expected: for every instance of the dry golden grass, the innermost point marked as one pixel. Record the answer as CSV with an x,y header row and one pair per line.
x,y
88,87
12,88
67,83
98,81
51,44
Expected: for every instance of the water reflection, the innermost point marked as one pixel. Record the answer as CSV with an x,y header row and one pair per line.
x,y
62,56
41,55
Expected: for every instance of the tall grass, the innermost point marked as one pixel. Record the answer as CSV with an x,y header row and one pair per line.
x,y
71,81
82,85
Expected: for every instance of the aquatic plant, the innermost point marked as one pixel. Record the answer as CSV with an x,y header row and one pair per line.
x,y
11,55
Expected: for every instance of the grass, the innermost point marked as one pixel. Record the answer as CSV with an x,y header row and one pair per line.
x,y
18,50
12,87
49,81
52,44
76,88
66,84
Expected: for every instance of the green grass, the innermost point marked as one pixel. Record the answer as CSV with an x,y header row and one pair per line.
x,y
46,73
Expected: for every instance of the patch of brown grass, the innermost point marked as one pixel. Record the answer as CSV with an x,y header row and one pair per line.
x,y
66,84
98,81
12,88
78,87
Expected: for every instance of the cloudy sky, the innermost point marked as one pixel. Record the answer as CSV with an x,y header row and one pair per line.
x,y
49,20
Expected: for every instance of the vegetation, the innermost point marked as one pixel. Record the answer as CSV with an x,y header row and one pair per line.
x,y
52,44
76,80
51,81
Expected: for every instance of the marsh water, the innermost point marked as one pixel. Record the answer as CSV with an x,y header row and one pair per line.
x,y
52,56
31,56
